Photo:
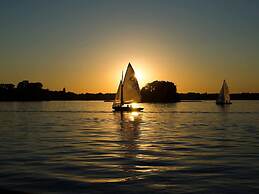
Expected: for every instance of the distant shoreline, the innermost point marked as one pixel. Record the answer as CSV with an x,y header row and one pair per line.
x,y
27,91
102,100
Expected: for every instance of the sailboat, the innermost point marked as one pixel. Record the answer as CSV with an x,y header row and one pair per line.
x,y
224,97
128,92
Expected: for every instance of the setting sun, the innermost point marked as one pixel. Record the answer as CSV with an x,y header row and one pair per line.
x,y
139,76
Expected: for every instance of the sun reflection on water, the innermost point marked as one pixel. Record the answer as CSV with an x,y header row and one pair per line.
x,y
133,116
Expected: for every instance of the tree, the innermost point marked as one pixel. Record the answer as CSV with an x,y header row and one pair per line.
x,y
26,85
159,91
31,91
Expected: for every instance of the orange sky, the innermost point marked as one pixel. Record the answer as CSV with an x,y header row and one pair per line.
x,y
84,45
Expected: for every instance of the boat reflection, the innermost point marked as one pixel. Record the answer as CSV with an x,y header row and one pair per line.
x,y
129,134
224,108
130,130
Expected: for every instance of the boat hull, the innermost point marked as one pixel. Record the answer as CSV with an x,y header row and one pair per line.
x,y
127,109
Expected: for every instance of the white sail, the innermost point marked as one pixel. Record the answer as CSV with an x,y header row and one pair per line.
x,y
224,97
117,100
131,91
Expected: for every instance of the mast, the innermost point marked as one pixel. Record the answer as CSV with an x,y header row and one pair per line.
x,y
122,88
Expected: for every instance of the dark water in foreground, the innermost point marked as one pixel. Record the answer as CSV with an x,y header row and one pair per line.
x,y
83,147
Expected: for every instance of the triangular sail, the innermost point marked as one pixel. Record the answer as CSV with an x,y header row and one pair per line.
x,y
224,96
131,91
117,100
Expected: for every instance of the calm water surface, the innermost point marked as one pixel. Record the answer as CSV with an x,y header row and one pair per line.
x,y
83,147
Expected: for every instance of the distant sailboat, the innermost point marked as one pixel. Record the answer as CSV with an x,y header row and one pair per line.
x,y
128,92
224,97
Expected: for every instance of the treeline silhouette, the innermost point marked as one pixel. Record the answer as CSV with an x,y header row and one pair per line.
x,y
165,91
26,91
213,96
157,91
198,96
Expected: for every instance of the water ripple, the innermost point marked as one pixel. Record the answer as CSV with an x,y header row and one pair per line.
x,y
83,147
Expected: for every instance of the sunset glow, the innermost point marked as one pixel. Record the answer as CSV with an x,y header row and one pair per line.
x,y
72,46
140,77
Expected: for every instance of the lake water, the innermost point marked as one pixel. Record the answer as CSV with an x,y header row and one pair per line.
x,y
83,147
